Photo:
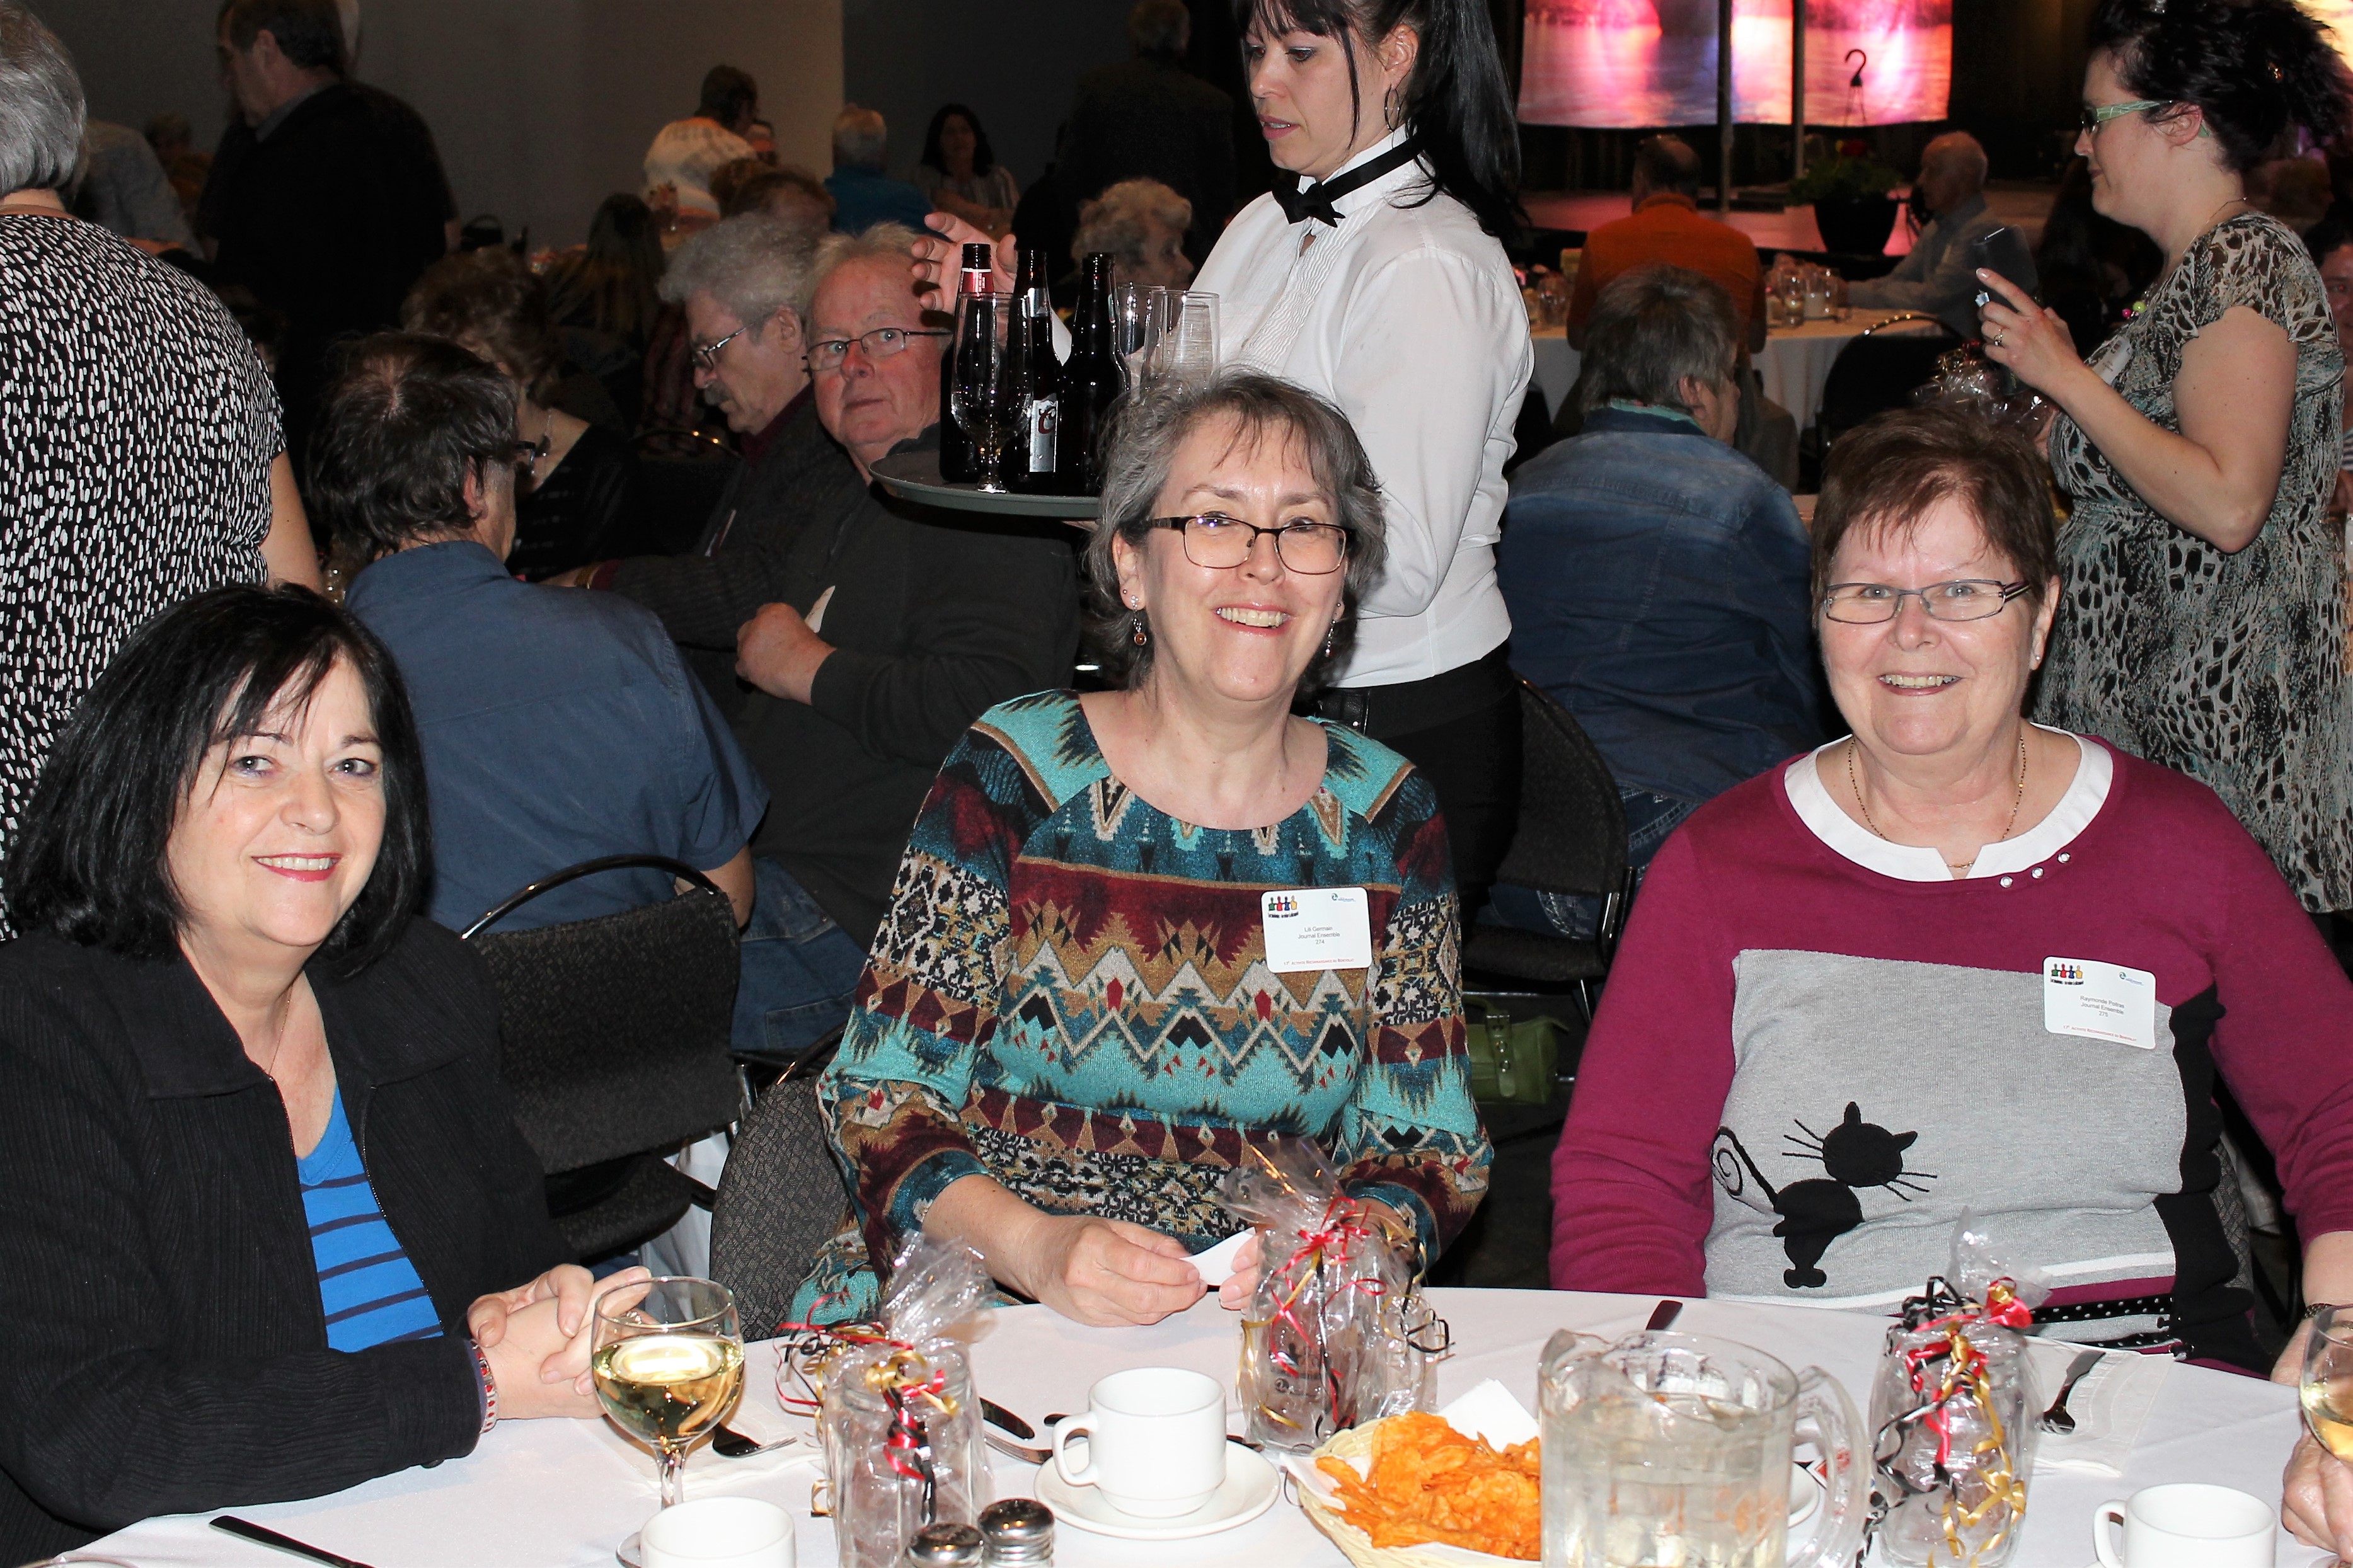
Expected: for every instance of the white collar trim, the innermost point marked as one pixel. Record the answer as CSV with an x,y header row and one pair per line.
x,y
2095,772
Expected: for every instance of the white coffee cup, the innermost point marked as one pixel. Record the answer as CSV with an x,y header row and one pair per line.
x,y
2186,1525
718,1532
1155,1441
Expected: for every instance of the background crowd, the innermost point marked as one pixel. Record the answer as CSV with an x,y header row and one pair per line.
x,y
357,570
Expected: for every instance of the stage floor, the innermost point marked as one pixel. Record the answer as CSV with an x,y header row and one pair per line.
x,y
2020,204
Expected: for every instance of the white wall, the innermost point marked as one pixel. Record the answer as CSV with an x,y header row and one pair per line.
x,y
542,108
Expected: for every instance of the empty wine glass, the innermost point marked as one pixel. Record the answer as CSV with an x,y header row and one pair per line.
x,y
982,398
668,1366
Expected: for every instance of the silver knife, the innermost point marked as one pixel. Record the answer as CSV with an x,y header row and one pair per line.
x,y
1662,1317
229,1523
996,1415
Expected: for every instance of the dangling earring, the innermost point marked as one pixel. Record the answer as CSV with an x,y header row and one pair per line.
x,y
1331,632
1135,629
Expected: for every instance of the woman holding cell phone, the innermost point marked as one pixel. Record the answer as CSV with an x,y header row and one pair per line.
x,y
2203,623
1139,931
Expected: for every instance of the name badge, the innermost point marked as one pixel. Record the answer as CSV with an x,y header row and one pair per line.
x,y
2100,1002
1311,929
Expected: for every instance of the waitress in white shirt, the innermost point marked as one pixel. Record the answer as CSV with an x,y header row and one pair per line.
x,y
1380,282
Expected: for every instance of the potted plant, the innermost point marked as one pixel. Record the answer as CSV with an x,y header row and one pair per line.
x,y
1849,193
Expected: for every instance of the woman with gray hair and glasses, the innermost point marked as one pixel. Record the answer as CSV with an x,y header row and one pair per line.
x,y
1081,1007
141,456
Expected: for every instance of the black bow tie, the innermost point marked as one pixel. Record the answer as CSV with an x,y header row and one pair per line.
x,y
1306,201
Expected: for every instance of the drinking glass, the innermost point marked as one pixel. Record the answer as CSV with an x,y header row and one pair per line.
x,y
982,397
668,1366
1141,315
1191,352
2325,1386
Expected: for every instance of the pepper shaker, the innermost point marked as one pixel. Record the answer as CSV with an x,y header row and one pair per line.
x,y
1019,1532
944,1546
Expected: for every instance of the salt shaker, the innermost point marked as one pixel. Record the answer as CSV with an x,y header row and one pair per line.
x,y
1019,1532
944,1546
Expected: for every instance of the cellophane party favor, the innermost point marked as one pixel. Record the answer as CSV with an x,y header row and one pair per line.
x,y
1953,1410
1334,1334
898,1418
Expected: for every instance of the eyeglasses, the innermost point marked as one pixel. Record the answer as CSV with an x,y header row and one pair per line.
x,y
2094,115
1215,541
707,354
881,344
1963,599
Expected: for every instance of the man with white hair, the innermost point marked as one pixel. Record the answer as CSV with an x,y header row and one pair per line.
x,y
863,195
881,631
1939,277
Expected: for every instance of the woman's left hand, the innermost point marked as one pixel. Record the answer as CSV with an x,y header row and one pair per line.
x,y
574,1290
2316,1498
2033,343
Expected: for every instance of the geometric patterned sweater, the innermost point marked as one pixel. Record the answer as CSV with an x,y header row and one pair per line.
x,y
1070,993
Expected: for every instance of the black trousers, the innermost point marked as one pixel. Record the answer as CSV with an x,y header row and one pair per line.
x,y
1461,730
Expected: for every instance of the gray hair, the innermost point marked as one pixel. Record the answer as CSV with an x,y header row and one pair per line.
x,y
1116,221
753,265
1140,450
41,106
836,251
1652,328
859,138
1159,26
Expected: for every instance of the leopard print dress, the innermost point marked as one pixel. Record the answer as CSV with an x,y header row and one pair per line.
x,y
2227,667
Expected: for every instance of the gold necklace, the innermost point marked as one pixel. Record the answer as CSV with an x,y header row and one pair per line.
x,y
277,1046
1959,867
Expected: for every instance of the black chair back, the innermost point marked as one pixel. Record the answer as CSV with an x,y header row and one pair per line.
x,y
781,1199
1572,831
614,1034
1878,371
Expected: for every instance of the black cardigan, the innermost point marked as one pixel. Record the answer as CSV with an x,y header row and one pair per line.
x,y
167,1348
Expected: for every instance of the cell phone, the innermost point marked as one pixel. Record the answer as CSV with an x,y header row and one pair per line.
x,y
2001,250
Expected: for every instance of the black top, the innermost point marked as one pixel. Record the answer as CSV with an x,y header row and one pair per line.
x,y
573,515
1145,119
169,1352
329,218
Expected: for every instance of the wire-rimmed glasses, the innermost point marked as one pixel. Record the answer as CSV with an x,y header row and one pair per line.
x,y
1215,541
707,354
1962,599
828,354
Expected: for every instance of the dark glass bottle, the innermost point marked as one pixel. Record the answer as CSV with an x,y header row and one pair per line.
x,y
957,463
1030,461
1091,382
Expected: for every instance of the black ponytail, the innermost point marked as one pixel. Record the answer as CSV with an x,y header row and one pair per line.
x,y
2254,68
1455,99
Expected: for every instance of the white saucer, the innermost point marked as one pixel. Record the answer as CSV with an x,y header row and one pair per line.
x,y
630,1552
1251,1486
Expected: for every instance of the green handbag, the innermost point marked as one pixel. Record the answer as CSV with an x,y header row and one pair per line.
x,y
1512,1062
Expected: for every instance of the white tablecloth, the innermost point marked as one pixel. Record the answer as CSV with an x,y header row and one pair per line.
x,y
548,1494
1795,363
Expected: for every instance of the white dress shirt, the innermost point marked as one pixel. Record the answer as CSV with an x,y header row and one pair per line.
x,y
685,154
1410,320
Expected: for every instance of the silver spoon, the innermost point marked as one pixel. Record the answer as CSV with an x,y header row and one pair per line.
x,y
2056,1420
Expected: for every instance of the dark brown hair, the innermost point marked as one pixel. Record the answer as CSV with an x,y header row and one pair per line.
x,y
1890,470
492,296
2257,68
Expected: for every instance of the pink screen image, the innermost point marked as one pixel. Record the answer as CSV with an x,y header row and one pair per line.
x,y
1638,63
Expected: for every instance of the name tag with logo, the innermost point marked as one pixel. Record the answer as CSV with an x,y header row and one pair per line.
x,y
2100,1002
1313,928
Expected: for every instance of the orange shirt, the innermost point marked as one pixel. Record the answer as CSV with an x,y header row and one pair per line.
x,y
1667,227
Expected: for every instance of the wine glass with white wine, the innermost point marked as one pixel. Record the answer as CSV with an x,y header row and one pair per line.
x,y
2327,1385
668,1366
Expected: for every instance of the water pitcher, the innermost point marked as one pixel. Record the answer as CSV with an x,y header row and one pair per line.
x,y
1668,1450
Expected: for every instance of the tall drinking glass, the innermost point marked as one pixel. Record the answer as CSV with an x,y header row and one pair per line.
x,y
668,1366
1141,313
1191,352
982,398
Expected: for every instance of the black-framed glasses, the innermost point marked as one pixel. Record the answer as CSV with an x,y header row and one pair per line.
x,y
828,354
1962,599
1215,541
707,354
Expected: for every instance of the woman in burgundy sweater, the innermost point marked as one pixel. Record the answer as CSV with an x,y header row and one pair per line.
x,y
1958,960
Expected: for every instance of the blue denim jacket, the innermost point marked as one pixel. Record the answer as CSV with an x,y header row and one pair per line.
x,y
1659,590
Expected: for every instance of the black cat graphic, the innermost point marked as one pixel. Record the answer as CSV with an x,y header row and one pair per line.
x,y
1814,1213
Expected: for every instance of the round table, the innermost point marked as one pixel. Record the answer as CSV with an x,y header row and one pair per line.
x,y
562,1494
1794,365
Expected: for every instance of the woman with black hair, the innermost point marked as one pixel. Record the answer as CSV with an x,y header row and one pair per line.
x,y
1380,282
960,175
2203,626
256,1165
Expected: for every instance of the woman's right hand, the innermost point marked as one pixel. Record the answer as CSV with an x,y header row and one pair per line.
x,y
939,254
530,1342
1106,1271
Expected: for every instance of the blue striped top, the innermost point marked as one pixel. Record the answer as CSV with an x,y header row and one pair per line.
x,y
370,1290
